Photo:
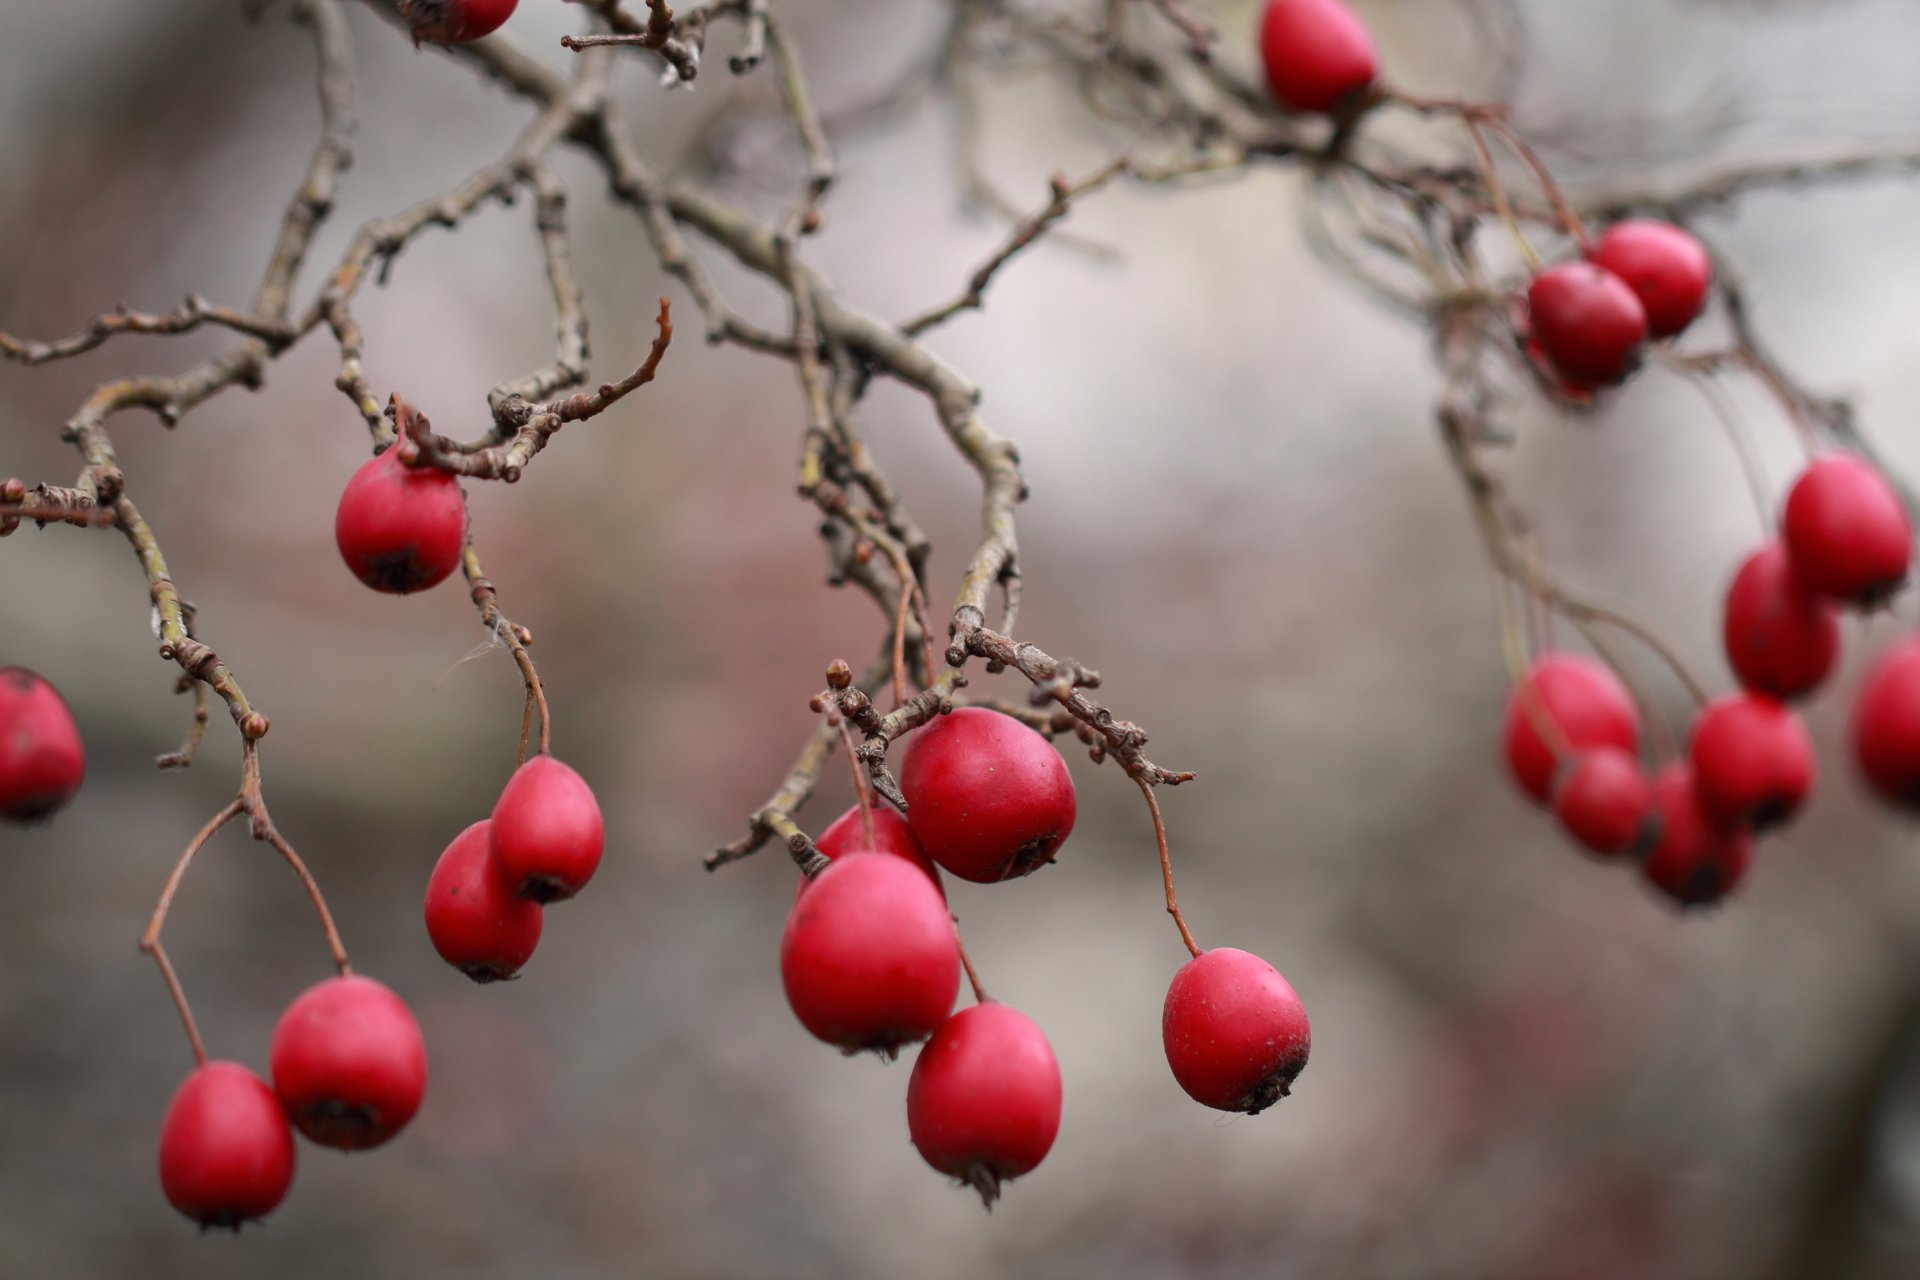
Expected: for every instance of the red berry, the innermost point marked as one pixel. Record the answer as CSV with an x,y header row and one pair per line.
x,y
1666,267
455,21
891,834
547,832
1604,800
1752,761
1588,323
1694,860
476,923
41,760
226,1153
983,1105
987,797
348,1063
1236,1034
869,958
1581,699
1781,638
1847,531
1886,725
1319,55
401,528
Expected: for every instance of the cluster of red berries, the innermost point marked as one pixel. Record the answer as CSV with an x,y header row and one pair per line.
x,y
349,1070
41,760
1572,730
1589,322
455,21
870,959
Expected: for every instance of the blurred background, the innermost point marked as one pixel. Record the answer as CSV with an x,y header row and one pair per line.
x,y
1525,1065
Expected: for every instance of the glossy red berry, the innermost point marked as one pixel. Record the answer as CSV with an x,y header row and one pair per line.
x,y
1666,267
1781,638
547,834
455,21
348,1063
988,798
400,528
226,1153
1694,860
1319,55
1604,800
869,958
1752,761
41,760
476,922
891,834
1847,531
1236,1035
1587,322
1583,702
983,1105
1886,725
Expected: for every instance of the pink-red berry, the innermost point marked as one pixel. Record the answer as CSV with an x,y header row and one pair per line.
x,y
1886,725
869,958
1666,267
1847,531
983,1104
226,1153
476,921
1781,639
400,528
1566,702
1587,322
987,797
547,834
1604,800
1752,761
891,834
41,760
455,21
349,1063
1694,860
1318,54
1235,1033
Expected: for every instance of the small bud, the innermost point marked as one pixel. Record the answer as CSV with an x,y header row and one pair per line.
x,y
254,727
839,675
13,491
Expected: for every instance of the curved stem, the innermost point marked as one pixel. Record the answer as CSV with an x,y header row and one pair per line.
x,y
1166,864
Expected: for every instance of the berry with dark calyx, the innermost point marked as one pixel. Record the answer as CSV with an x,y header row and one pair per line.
x,y
348,1063
1236,1035
988,798
1587,322
1603,800
869,958
983,1105
1781,639
547,834
1318,54
1567,701
401,528
1886,725
1847,531
1752,761
226,1153
891,834
1694,860
42,762
1665,266
476,922
455,21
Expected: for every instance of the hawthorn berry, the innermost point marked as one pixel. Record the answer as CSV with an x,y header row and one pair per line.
x,y
988,798
1580,702
1587,322
1847,531
476,922
1603,800
983,1104
891,834
1781,639
400,528
348,1063
1665,266
41,760
547,833
1886,725
1319,55
869,958
1236,1035
1752,761
455,21
226,1153
1694,860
